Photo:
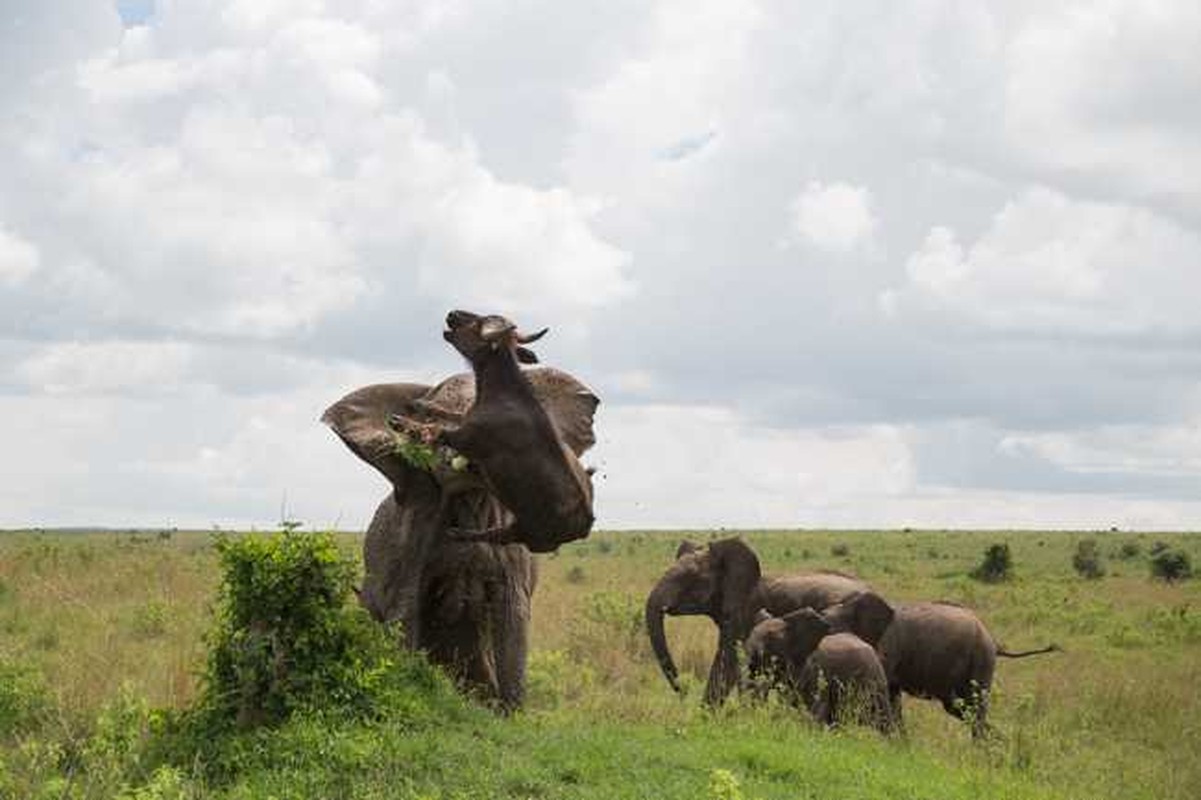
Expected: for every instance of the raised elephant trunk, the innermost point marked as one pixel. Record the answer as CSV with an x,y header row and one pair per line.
x,y
656,608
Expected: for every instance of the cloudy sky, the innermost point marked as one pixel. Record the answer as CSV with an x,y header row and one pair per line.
x,y
934,263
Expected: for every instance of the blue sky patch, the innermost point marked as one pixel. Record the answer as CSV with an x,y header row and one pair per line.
x,y
135,12
688,146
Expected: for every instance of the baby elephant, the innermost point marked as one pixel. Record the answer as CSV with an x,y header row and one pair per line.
x,y
838,677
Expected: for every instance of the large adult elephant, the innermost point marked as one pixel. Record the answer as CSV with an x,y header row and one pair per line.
x,y
933,650
723,582
466,604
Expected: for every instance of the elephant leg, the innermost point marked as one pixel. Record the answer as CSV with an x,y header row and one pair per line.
x,y
723,673
980,726
510,640
970,706
824,711
894,707
459,647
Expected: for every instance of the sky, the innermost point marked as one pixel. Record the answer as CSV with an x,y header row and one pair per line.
x,y
827,264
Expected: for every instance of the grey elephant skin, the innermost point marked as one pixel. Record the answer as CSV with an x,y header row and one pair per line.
x,y
837,677
466,604
934,650
723,582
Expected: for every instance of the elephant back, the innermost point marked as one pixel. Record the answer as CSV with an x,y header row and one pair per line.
x,y
818,590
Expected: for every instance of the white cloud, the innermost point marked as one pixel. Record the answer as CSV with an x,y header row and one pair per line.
x,y
1107,89
216,222
681,466
681,85
1155,450
90,368
836,217
266,216
938,266
18,258
506,246
1048,263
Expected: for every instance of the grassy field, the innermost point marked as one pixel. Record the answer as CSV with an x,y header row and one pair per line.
x,y
111,627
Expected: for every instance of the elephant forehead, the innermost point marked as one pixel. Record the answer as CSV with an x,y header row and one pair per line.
x,y
768,630
456,393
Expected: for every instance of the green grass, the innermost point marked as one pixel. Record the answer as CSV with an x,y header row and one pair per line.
x,y
1113,716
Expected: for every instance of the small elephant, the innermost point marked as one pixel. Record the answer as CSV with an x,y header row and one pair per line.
x,y
723,582
837,676
932,650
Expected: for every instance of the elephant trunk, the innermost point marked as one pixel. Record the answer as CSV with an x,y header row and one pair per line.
x,y
656,608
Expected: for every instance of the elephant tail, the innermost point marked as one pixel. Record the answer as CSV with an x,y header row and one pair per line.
x,y
1051,648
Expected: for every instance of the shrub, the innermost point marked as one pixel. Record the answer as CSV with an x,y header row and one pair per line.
x,y
1087,559
841,550
997,565
284,637
575,575
1171,565
24,699
149,621
1129,550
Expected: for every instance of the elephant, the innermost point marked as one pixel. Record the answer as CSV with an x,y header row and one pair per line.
x,y
836,676
936,650
723,582
466,604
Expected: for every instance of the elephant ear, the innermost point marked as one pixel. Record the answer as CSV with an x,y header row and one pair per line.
x,y
686,548
870,616
570,405
361,420
736,570
806,628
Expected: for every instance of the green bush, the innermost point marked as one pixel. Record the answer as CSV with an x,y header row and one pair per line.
x,y
24,699
284,636
997,565
149,621
1129,550
841,550
1087,559
1171,565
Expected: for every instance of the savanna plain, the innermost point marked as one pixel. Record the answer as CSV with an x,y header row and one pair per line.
x,y
103,641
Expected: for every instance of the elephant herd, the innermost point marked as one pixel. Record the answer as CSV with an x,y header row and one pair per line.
x,y
826,640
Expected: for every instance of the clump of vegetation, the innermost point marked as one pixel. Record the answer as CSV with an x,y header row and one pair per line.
x,y
284,637
1087,559
1129,550
426,457
841,550
149,620
1171,565
575,575
23,697
997,565
723,785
